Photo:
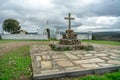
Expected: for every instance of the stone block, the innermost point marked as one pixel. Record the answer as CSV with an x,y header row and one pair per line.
x,y
69,31
88,55
70,42
114,62
103,55
58,56
38,58
64,63
105,65
46,64
93,65
115,57
45,57
71,56
93,60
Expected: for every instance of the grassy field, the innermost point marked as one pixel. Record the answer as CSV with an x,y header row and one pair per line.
x,y
107,76
8,41
87,41
102,42
16,64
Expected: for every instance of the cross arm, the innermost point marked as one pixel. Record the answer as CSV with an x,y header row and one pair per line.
x,y
69,18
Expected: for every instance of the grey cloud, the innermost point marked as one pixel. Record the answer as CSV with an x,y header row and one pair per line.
x,y
56,15
106,8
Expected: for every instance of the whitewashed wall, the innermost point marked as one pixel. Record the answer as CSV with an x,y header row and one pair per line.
x,y
79,36
84,36
59,36
25,36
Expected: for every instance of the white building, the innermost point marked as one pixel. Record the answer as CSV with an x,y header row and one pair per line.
x,y
80,35
47,29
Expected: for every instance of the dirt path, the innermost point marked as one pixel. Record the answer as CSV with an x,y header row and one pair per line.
x,y
11,46
6,47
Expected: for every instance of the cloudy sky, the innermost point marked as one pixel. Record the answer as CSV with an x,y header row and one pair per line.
x,y
90,15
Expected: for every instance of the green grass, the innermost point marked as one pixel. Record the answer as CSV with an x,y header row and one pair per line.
x,y
107,76
102,42
15,64
8,41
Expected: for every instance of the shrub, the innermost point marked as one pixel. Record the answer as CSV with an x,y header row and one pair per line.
x,y
0,37
54,39
88,47
58,48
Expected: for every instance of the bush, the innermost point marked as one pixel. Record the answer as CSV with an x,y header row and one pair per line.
x,y
88,47
58,48
0,37
54,39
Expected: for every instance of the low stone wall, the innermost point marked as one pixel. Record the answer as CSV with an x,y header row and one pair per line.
x,y
24,36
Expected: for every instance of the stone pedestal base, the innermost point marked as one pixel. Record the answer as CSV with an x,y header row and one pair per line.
x,y
59,47
70,36
70,42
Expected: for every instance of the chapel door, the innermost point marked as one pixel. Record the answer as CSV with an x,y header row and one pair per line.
x,y
48,32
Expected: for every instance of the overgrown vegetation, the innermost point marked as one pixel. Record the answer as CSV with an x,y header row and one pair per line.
x,y
107,76
53,39
15,65
54,48
88,47
8,41
0,37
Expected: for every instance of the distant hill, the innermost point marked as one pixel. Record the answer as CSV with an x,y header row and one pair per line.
x,y
110,36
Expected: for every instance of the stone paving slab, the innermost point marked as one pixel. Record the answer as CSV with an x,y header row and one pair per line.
x,y
48,64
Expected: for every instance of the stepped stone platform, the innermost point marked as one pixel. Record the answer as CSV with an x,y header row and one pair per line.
x,y
69,41
47,64
70,38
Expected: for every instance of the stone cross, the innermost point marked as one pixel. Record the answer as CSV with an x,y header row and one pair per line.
x,y
69,19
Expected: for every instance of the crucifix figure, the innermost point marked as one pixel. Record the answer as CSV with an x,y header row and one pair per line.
x,y
69,20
